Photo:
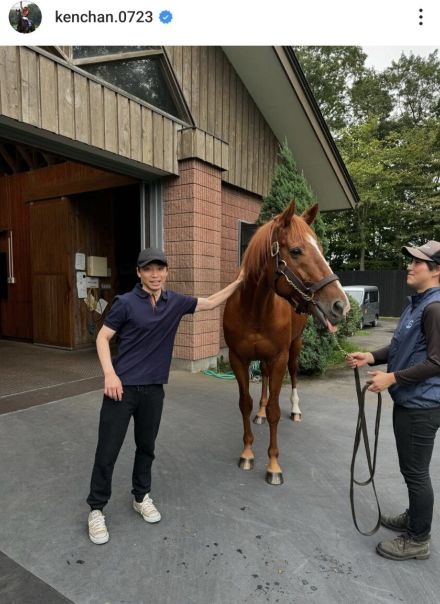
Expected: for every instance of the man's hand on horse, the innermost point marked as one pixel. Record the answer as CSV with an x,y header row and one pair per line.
x,y
240,275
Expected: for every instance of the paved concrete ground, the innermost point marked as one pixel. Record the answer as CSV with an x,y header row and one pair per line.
x,y
226,536
372,338
31,375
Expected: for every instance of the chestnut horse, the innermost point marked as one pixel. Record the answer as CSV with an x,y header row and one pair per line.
x,y
283,267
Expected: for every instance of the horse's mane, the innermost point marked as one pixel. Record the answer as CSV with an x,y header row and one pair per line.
x,y
257,253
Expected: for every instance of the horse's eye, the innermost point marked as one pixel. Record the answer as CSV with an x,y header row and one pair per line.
x,y
295,251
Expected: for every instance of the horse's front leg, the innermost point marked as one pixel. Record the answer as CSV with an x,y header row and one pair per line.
x,y
260,418
241,371
294,353
277,369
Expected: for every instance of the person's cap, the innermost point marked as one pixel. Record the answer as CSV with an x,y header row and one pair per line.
x,y
430,252
151,254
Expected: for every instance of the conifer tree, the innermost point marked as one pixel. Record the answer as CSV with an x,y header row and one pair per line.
x,y
289,184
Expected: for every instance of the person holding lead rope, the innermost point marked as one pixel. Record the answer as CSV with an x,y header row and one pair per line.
x,y
413,381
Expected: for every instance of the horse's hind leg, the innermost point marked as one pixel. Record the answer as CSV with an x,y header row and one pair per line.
x,y
241,370
295,349
260,418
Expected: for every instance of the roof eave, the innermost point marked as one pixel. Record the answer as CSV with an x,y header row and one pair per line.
x,y
277,84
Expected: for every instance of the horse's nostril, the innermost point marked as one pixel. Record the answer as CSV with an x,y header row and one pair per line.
x,y
338,307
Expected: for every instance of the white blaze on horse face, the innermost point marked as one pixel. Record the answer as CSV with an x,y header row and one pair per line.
x,y
294,399
313,241
337,283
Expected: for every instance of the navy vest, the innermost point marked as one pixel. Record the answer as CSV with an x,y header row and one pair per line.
x,y
407,348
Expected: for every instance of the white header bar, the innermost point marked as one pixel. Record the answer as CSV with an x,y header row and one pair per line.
x,y
227,22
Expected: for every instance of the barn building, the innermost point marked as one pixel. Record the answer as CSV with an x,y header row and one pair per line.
x,y
104,150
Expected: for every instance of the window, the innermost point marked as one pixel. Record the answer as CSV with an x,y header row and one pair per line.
x,y
141,71
245,232
374,296
81,52
356,294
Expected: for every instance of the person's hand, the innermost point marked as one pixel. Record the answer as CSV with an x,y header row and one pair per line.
x,y
359,359
113,387
380,381
240,277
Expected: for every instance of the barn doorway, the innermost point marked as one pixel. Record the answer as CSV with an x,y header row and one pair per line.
x,y
56,212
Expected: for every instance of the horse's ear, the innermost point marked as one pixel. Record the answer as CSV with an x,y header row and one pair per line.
x,y
309,215
287,215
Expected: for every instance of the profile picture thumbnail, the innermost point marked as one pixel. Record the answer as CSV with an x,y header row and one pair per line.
x,y
25,17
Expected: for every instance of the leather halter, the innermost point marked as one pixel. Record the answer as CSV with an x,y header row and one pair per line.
x,y
307,292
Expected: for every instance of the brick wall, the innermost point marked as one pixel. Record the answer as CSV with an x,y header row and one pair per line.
x,y
192,237
201,233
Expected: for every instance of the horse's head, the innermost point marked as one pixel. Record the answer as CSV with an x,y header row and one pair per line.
x,y
301,273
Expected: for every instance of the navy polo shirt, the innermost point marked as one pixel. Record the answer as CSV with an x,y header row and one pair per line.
x,y
146,334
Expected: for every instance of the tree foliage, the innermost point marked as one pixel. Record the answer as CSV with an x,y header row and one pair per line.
x,y
289,184
330,71
386,125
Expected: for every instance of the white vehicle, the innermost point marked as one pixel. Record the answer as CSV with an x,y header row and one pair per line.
x,y
367,296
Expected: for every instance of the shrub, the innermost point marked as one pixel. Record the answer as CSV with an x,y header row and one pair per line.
x,y
351,325
319,346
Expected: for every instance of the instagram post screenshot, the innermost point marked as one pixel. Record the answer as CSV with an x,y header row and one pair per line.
x,y
219,302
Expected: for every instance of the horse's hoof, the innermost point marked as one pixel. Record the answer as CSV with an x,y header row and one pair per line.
x,y
295,417
274,478
259,419
245,464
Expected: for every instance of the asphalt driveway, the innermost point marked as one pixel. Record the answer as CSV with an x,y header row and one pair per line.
x,y
226,537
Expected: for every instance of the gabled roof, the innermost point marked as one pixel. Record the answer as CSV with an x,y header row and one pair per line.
x,y
278,86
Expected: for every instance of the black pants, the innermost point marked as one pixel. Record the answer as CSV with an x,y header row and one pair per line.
x,y
415,431
145,404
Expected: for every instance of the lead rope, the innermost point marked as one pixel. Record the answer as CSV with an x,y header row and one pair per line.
x,y
362,432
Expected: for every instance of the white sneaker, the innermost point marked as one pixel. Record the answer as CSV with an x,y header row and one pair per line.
x,y
147,509
98,532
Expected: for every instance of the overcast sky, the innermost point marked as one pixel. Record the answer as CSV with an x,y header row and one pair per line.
x,y
380,57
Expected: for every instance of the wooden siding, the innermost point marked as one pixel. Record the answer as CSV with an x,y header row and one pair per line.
x,y
195,143
52,274
42,92
69,178
85,224
221,106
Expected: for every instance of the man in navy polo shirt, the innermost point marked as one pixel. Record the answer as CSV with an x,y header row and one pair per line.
x,y
146,320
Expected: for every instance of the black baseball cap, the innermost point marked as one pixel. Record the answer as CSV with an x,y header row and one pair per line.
x,y
151,254
430,252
